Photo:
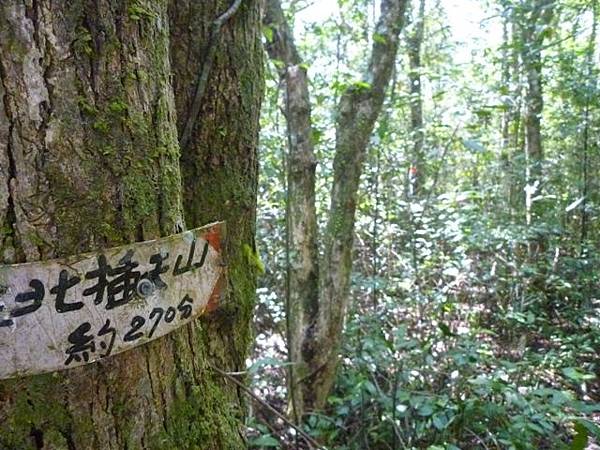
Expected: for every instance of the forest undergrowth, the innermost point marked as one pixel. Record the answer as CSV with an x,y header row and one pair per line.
x,y
474,318
453,346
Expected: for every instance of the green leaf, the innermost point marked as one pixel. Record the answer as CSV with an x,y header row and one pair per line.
x,y
440,421
535,427
446,331
426,410
590,426
585,408
278,63
265,440
370,387
316,136
379,38
576,375
473,145
361,85
416,401
580,440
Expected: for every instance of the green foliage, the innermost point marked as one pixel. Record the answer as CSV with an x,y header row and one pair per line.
x,y
268,33
454,361
463,333
264,440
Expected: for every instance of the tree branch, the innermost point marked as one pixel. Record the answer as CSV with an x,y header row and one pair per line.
x,y
205,72
358,110
317,300
248,392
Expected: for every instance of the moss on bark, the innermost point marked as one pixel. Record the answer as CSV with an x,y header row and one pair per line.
x,y
89,158
220,173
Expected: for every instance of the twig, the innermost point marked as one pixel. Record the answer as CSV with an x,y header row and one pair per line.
x,y
205,72
397,432
300,431
476,436
263,417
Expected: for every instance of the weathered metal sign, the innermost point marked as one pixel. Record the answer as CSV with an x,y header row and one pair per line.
x,y
65,313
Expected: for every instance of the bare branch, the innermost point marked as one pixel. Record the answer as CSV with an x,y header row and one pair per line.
x,y
267,405
205,72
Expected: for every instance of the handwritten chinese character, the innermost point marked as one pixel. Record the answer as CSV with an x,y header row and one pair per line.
x,y
119,289
158,269
60,290
37,295
107,330
82,346
178,270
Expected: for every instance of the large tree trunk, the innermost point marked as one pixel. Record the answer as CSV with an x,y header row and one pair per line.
x,y
219,167
89,159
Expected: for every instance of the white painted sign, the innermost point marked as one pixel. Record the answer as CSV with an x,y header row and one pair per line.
x,y
68,312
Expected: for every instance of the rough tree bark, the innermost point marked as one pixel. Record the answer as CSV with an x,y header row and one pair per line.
x,y
89,159
219,167
319,323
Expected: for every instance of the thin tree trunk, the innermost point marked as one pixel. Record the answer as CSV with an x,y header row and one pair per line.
x,y
507,162
513,153
415,41
536,15
302,289
357,110
516,132
320,324
585,179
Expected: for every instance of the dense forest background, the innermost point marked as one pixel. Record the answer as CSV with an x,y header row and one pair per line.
x,y
473,318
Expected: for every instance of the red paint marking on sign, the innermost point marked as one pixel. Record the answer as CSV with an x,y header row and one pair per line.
x,y
215,297
214,238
